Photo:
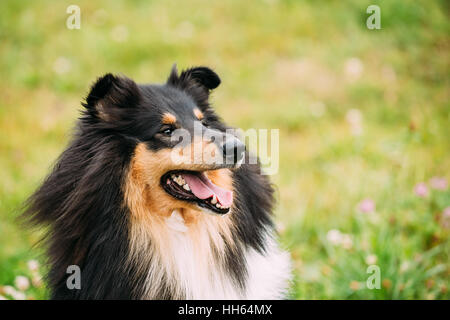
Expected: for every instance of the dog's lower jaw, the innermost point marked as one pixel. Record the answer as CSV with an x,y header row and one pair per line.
x,y
192,267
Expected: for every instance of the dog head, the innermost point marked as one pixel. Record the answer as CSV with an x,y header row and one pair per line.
x,y
183,154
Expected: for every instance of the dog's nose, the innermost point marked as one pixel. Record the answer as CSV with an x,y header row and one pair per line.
x,y
233,150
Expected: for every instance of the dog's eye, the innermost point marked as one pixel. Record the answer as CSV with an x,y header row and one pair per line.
x,y
167,131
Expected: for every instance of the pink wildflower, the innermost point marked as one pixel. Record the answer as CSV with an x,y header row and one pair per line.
x,y
421,190
367,206
438,183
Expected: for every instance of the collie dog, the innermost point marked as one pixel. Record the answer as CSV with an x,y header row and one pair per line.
x,y
141,224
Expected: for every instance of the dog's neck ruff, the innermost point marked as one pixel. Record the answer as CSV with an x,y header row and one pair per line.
x,y
191,266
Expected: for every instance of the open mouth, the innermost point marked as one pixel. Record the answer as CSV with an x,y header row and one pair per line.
x,y
195,186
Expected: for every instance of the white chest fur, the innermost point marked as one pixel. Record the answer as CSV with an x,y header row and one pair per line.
x,y
201,277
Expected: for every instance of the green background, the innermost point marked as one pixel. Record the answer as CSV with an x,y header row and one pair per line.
x,y
362,114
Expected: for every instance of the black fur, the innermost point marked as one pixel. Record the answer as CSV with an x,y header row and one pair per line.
x,y
82,201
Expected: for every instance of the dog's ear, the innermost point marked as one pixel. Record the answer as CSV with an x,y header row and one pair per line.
x,y
111,97
202,76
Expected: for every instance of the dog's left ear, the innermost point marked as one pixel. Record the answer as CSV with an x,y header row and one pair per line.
x,y
202,76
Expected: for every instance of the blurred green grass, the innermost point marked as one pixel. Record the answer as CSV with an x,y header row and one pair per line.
x,y
300,66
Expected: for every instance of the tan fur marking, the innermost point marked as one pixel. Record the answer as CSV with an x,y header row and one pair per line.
x,y
198,114
197,155
168,118
150,207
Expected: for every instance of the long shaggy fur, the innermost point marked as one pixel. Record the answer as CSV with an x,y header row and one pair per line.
x,y
82,201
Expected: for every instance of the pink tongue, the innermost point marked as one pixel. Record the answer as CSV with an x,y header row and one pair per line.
x,y
203,188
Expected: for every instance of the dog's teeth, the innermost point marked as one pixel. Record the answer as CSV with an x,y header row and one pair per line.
x,y
214,199
218,205
186,187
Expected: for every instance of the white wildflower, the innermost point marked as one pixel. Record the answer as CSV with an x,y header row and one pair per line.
x,y
334,237
353,68
354,119
33,265
13,293
347,242
62,65
22,283
371,259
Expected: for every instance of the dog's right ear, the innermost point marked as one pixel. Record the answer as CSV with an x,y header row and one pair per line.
x,y
111,97
203,76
